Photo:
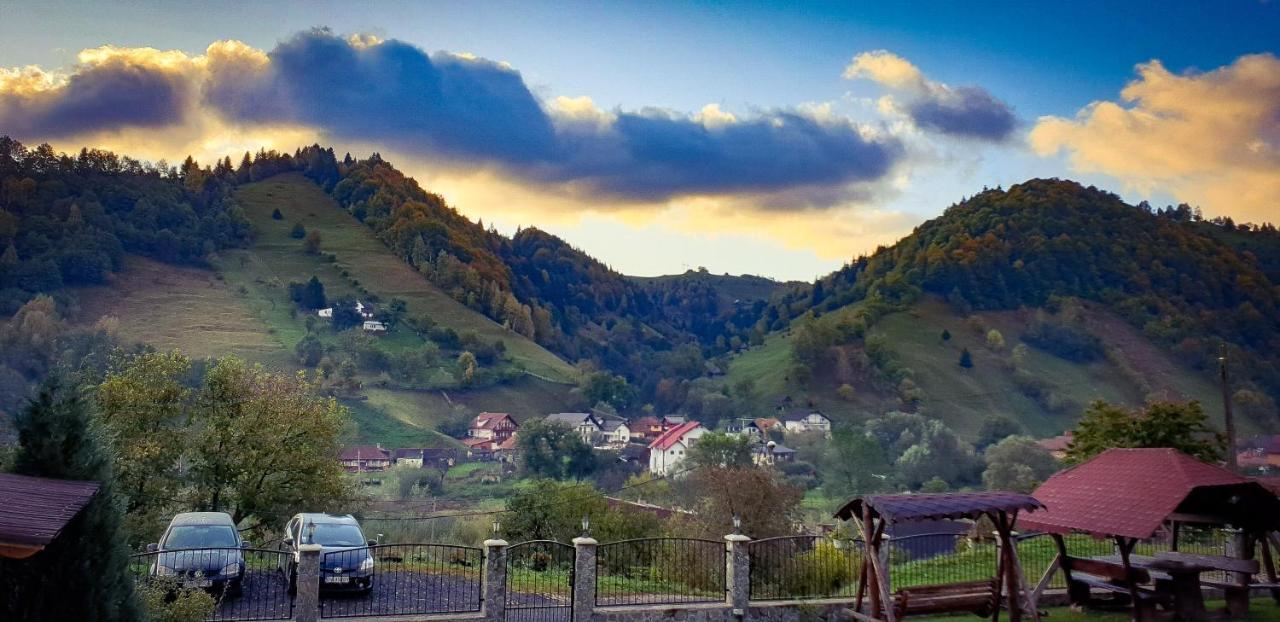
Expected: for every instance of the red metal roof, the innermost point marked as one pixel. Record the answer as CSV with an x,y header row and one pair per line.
x,y
1131,492
35,509
672,436
930,506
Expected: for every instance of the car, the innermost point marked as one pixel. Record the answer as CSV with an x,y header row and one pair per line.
x,y
346,563
201,550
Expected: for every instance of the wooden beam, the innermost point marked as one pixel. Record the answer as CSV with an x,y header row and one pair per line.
x,y
1045,580
1126,546
1269,564
1019,587
870,550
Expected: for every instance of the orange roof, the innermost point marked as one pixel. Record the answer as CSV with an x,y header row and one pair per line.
x,y
1057,443
509,443
673,436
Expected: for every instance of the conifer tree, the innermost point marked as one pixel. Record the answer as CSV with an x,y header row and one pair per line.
x,y
84,573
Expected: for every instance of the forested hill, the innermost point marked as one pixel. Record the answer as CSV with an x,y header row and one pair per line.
x,y
1188,284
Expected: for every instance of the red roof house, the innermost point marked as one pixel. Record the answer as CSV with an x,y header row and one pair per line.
x,y
1132,492
365,458
495,427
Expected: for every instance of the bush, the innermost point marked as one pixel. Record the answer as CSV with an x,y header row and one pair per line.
x,y
185,605
825,570
1063,340
276,215
298,231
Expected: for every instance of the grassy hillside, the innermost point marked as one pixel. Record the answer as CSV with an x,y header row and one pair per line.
x,y
276,258
242,308
963,397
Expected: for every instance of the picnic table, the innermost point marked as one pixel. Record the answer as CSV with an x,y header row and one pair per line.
x,y
1177,576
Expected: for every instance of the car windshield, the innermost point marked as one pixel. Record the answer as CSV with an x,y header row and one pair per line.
x,y
334,534
200,536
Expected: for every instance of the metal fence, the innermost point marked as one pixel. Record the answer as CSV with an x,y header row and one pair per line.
x,y
400,579
799,567
540,577
243,583
937,558
650,571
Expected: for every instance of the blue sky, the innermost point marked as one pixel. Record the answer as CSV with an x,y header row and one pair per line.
x,y
753,61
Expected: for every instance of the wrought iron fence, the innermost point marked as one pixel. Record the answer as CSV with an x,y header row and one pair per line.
x,y
540,581
400,579
241,583
660,571
798,567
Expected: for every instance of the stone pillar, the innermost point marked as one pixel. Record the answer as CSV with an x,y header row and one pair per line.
x,y
738,572
494,586
306,604
584,578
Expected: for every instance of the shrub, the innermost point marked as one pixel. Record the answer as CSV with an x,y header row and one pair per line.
x,y
298,231
824,570
164,603
276,215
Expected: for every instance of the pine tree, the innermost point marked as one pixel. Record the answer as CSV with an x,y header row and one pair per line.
x,y
966,359
57,439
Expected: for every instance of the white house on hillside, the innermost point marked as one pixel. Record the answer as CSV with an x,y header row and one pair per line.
x,y
806,420
616,431
586,424
668,450
374,326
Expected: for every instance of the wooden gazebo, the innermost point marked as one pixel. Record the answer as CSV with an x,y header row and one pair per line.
x,y
874,512
1129,494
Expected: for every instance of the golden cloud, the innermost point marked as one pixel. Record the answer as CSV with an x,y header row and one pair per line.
x,y
1210,138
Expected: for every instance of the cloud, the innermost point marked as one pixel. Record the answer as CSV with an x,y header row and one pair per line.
x,y
1209,138
109,87
456,110
968,112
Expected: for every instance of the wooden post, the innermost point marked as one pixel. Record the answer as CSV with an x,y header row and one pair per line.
x,y
871,550
1269,565
1019,586
1126,546
1000,578
1173,537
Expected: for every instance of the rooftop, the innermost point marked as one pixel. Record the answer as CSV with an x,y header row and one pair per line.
x,y
36,509
674,435
931,506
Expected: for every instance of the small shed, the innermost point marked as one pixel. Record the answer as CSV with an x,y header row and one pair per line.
x,y
36,509
874,513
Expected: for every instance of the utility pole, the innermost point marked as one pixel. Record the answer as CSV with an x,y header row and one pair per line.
x,y
1228,421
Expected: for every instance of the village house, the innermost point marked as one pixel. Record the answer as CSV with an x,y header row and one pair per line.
x,y
615,431
745,427
668,450
494,427
645,428
1260,453
362,458
1057,445
507,451
806,420
762,454
585,424
479,448
419,457
373,326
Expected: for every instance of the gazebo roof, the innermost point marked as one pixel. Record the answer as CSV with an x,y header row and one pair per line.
x,y
932,506
35,510
1132,492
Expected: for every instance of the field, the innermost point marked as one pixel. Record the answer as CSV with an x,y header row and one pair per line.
x,y
963,397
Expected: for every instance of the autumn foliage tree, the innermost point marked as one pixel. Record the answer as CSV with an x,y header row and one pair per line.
x,y
1179,425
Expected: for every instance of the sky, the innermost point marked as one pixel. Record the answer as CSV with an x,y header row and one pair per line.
x,y
780,139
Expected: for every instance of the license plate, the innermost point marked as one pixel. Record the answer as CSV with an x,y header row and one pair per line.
x,y
337,579
198,583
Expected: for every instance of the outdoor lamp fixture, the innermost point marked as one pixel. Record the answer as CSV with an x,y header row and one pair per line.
x,y
496,526
586,525
311,533
737,524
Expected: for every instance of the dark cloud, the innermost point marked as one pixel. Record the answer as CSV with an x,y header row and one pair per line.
x,y
117,92
966,112
443,105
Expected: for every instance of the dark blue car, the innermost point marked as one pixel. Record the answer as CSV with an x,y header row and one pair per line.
x,y
346,563
201,550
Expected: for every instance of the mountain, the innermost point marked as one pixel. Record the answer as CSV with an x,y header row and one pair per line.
x,y
1130,301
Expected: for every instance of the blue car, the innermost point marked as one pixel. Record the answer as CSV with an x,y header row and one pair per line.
x,y
346,563
201,550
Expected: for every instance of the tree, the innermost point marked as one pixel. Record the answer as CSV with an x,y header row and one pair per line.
x,y
309,350
608,388
995,428
966,359
853,463
264,444
58,439
846,392
766,505
276,215
298,231
995,340
313,296
716,449
946,335
553,510
1017,463
465,369
312,242
345,316
142,406
553,450
1180,425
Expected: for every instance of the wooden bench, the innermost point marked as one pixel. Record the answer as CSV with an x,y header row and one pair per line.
x,y
1087,574
977,597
